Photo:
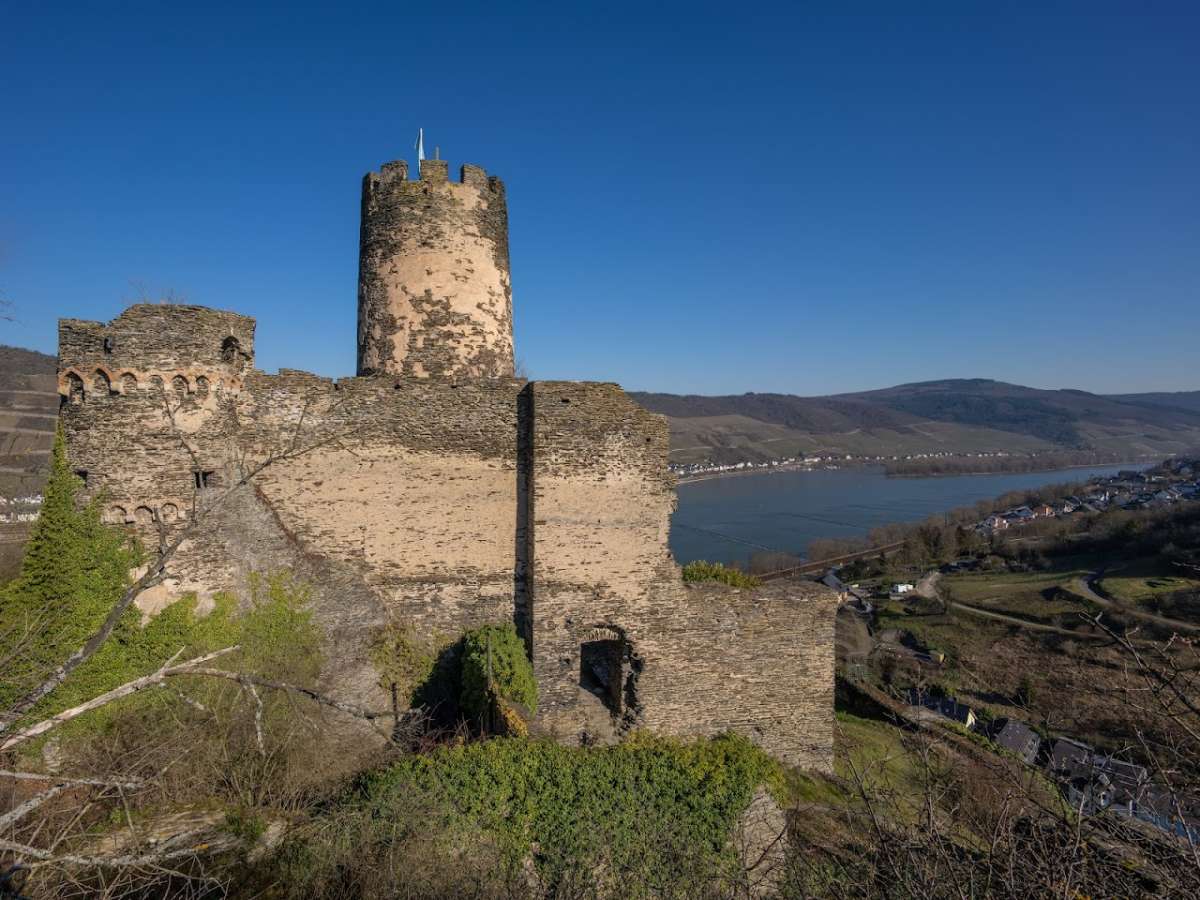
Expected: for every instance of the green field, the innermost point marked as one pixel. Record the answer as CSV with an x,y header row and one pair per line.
x,y
1142,581
1036,596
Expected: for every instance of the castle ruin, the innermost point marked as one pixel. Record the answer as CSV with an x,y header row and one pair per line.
x,y
440,491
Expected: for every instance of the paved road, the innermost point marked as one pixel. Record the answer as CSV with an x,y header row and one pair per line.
x,y
1086,587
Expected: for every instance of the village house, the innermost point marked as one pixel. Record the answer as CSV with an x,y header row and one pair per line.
x,y
1016,737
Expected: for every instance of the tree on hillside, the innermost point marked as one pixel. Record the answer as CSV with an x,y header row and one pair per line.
x,y
73,571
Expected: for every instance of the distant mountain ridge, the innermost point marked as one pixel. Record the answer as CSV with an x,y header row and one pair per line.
x,y
953,415
1177,399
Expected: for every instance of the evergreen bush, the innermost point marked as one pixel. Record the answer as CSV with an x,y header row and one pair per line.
x,y
501,649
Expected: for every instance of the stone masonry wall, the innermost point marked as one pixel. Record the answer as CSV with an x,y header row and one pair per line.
x,y
434,292
160,340
446,504
760,662
403,507
694,662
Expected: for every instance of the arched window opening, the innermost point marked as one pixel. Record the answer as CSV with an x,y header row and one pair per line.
x,y
100,382
129,383
179,385
156,383
169,513
202,386
74,388
144,516
115,515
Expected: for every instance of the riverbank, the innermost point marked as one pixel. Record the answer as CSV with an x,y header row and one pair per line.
x,y
1145,461
710,476
1002,466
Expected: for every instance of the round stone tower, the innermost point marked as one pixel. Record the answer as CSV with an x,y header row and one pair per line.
x,y
434,292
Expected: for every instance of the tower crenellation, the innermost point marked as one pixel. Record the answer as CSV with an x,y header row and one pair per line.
x,y
434,291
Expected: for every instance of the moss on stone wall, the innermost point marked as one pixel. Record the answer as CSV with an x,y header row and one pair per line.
x,y
408,659
702,570
494,661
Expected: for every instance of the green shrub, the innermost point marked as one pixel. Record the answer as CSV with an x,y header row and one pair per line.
x,y
500,648
651,817
702,570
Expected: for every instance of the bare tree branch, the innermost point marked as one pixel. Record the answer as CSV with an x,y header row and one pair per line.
x,y
20,811
166,854
124,690
127,783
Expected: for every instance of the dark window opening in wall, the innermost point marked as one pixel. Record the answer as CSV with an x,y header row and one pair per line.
x,y
74,389
230,350
81,474
108,345
204,479
601,671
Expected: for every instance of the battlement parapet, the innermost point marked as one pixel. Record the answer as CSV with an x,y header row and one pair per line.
x,y
394,175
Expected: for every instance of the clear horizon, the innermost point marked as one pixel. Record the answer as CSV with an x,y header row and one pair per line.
x,y
785,201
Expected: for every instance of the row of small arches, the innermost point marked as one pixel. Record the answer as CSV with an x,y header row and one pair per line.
x,y
102,384
145,516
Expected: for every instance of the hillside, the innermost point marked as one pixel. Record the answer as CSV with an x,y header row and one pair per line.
x,y
1177,399
28,409
955,416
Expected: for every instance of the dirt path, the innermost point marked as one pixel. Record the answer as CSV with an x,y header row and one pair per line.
x,y
1086,587
927,586
1037,626
854,642
1024,623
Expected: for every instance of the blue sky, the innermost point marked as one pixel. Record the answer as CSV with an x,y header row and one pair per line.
x,y
703,198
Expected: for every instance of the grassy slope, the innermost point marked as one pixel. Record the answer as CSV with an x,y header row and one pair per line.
x,y
1075,678
1142,581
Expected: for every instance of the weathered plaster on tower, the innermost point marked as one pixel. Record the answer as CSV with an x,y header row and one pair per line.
x,y
434,291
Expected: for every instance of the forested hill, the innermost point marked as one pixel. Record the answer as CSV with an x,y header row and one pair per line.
x,y
1179,399
957,416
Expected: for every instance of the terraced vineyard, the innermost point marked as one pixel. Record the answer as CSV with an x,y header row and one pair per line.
x,y
28,410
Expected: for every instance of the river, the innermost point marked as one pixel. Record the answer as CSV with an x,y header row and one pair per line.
x,y
728,519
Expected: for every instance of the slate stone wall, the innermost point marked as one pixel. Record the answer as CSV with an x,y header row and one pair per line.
x,y
442,503
695,661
